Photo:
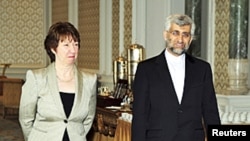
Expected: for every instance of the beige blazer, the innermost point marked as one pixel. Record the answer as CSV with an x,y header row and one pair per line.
x,y
41,112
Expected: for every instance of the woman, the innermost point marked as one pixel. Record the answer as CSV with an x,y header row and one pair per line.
x,y
58,102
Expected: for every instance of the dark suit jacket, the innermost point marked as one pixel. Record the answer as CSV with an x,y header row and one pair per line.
x,y
157,114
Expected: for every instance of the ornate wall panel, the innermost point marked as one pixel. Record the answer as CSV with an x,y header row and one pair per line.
x,y
59,10
127,19
127,23
22,33
115,28
221,45
89,29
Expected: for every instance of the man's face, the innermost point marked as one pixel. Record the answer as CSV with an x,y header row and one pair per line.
x,y
178,39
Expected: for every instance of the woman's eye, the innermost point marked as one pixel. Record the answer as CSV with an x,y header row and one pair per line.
x,y
76,44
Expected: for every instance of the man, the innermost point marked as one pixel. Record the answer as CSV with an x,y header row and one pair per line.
x,y
174,96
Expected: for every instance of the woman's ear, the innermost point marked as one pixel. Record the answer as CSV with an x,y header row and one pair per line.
x,y
53,51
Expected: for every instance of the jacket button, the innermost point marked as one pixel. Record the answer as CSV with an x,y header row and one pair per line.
x,y
180,111
65,121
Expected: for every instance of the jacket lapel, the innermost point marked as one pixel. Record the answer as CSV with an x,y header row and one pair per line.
x,y
163,71
188,75
78,92
52,83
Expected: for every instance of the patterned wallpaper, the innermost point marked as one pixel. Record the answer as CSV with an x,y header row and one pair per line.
x,y
88,24
59,10
22,33
221,45
115,28
127,19
127,24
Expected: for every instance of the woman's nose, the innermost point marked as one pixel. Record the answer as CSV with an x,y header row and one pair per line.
x,y
72,47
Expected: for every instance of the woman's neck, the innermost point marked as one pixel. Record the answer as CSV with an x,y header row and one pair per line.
x,y
64,73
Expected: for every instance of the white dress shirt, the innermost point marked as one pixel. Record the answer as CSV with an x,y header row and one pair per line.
x,y
176,65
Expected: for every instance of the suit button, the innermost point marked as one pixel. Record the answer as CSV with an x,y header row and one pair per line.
x,y
65,121
180,111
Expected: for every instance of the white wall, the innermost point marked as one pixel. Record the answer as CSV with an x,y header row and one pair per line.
x,y
147,30
149,25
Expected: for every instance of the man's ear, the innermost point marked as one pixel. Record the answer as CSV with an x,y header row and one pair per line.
x,y
191,39
165,35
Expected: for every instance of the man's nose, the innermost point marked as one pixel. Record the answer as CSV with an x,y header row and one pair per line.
x,y
180,37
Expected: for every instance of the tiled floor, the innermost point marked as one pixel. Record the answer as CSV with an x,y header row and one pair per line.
x,y
10,130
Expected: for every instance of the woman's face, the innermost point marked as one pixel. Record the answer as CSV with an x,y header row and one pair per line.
x,y
178,39
66,51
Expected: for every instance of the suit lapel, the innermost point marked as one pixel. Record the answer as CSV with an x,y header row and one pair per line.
x,y
163,71
78,93
52,83
188,75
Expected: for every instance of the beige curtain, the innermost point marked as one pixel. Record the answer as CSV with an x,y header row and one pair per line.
x,y
123,131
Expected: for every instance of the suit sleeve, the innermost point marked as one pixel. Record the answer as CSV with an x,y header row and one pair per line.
x,y
92,104
28,103
210,106
140,104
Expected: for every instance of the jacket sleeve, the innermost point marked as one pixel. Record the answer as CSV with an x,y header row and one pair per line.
x,y
140,104
210,105
92,104
27,109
